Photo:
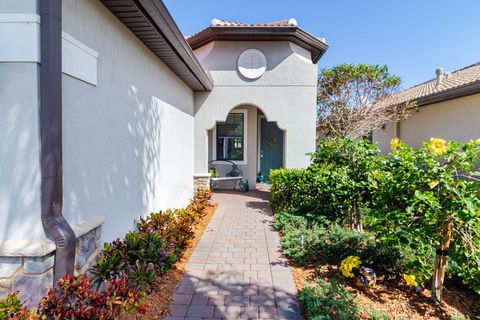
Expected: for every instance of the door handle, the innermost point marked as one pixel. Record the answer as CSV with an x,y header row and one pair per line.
x,y
261,153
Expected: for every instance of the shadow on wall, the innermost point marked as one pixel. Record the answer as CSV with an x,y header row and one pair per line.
x,y
114,165
19,154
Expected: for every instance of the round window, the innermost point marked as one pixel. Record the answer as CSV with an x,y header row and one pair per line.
x,y
252,64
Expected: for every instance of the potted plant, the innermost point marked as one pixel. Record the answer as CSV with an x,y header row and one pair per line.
x,y
260,177
213,171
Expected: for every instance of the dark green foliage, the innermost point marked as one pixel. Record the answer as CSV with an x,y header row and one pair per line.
x,y
329,300
111,262
307,242
337,185
302,241
379,315
383,257
139,252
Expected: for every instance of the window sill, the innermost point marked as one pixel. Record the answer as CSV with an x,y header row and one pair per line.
x,y
237,162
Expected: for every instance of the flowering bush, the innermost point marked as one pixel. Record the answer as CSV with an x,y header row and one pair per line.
x,y
428,199
424,200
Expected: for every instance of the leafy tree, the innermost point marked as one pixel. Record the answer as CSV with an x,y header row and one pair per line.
x,y
348,100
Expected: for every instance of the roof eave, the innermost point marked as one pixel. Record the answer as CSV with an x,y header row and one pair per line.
x,y
151,22
260,33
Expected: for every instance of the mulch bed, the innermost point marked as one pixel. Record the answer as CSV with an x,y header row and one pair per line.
x,y
392,297
159,300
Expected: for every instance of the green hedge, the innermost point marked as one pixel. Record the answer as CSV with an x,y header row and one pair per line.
x,y
307,243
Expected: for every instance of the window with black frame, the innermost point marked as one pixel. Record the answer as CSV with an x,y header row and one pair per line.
x,y
230,138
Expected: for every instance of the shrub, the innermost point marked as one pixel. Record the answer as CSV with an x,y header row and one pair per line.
x,y
328,300
76,299
11,308
379,315
175,227
144,254
316,192
337,185
308,242
383,257
201,200
304,245
140,256
290,188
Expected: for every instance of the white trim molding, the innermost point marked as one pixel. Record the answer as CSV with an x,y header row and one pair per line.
x,y
245,137
20,38
79,60
20,42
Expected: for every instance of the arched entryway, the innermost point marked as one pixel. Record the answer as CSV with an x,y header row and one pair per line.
x,y
249,140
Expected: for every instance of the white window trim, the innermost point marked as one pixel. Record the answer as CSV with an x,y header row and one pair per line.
x,y
245,138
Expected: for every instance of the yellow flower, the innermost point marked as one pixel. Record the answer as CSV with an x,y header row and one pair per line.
x,y
394,143
477,141
410,279
348,264
433,184
437,146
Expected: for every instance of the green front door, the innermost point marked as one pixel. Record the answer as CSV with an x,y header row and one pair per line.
x,y
271,147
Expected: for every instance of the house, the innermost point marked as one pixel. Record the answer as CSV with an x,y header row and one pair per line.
x,y
448,108
109,113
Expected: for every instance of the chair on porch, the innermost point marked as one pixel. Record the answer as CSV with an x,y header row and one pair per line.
x,y
234,175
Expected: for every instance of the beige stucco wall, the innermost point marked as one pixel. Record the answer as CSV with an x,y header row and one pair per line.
x,y
286,94
128,141
456,119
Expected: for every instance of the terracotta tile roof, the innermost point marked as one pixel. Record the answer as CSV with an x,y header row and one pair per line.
x,y
439,86
282,23
284,30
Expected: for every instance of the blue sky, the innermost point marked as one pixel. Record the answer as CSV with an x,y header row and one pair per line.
x,y
413,37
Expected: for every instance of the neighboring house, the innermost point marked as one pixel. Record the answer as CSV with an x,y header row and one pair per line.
x,y
108,113
448,108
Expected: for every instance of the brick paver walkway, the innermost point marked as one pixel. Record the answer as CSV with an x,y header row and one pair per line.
x,y
237,270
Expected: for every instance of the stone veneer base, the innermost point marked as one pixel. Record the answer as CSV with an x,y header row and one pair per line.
x,y
201,181
27,266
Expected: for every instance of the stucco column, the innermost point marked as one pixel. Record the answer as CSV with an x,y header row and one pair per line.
x,y
200,149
